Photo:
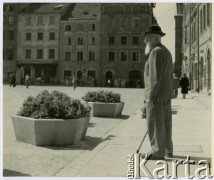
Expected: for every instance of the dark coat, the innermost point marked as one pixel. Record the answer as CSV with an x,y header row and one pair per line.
x,y
184,85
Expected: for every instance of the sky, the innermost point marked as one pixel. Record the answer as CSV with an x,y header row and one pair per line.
x,y
164,13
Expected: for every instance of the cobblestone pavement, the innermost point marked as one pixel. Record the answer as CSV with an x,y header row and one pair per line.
x,y
28,160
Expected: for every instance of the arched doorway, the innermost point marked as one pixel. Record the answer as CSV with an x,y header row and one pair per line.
x,y
26,71
109,75
134,78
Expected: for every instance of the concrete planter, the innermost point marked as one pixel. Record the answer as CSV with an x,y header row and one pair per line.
x,y
106,109
49,132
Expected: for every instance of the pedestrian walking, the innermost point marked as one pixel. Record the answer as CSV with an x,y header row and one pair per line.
x,y
184,86
138,83
74,82
93,82
109,82
27,80
176,85
158,90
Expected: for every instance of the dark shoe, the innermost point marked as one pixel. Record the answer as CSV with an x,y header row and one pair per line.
x,y
169,155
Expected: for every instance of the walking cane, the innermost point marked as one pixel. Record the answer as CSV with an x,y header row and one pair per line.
x,y
141,142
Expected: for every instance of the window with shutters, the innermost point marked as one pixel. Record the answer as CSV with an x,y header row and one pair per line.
x,y
111,55
80,56
28,36
91,56
51,53
136,56
123,56
28,54
52,36
39,53
80,41
123,40
67,56
40,36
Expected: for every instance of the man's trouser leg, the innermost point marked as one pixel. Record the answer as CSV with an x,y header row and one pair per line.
x,y
156,126
168,126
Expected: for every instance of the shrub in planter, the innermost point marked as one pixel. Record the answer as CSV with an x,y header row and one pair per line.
x,y
51,119
104,103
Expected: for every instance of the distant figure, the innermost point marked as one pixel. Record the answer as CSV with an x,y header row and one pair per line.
x,y
13,80
40,81
93,82
27,80
109,82
10,79
138,83
184,85
74,82
126,83
116,83
176,85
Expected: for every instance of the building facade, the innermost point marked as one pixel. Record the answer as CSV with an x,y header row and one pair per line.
x,y
38,41
56,41
205,46
122,42
178,39
197,45
10,22
80,44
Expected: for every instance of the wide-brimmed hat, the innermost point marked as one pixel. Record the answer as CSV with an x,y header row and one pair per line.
x,y
154,29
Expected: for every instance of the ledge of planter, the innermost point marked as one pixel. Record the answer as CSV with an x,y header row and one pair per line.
x,y
106,109
48,132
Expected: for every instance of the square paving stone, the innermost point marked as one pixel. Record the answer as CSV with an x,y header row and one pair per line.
x,y
187,148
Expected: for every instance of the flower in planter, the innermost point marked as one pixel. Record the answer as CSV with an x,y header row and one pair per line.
x,y
54,105
102,96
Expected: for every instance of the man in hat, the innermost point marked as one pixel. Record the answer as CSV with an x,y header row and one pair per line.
x,y
158,89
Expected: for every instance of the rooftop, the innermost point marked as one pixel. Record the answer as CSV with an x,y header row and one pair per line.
x,y
84,11
45,8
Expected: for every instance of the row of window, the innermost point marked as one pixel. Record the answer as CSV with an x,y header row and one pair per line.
x,y
111,40
205,13
40,20
124,22
124,40
9,7
40,36
80,40
80,56
9,19
80,27
68,73
40,54
111,56
8,54
124,56
112,23
8,35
